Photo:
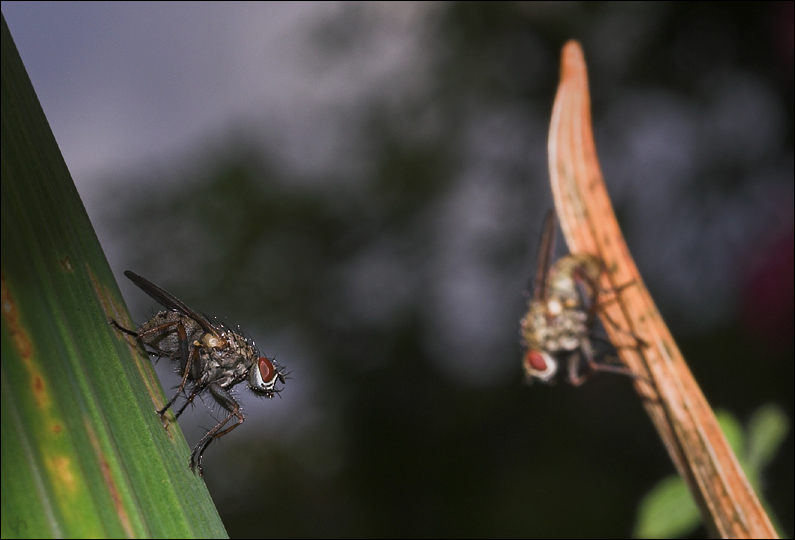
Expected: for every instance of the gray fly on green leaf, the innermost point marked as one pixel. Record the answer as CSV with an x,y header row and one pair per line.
x,y
210,357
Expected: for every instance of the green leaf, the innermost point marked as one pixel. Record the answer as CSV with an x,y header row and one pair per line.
x,y
733,431
83,453
668,511
767,430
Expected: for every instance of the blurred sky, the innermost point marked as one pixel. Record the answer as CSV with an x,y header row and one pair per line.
x,y
125,84
702,174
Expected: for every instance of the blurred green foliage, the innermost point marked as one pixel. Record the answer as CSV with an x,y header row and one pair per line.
x,y
668,511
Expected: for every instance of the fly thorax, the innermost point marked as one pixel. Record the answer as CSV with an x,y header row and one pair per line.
x,y
570,274
589,267
240,345
214,342
209,365
568,342
572,328
554,307
534,325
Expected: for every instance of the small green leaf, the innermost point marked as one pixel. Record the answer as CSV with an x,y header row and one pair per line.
x,y
767,430
668,511
733,431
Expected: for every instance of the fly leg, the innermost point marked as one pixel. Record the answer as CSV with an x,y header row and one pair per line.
x,y
151,348
120,327
225,399
599,303
198,389
592,303
574,367
586,352
189,364
189,367
137,336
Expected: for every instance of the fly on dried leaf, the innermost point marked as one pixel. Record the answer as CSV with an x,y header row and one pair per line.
x,y
210,357
562,313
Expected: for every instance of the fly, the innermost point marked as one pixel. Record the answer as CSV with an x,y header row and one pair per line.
x,y
562,312
211,357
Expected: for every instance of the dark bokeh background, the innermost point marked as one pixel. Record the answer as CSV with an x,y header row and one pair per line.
x,y
389,280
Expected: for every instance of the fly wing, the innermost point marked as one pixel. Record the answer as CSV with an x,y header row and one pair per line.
x,y
170,301
545,253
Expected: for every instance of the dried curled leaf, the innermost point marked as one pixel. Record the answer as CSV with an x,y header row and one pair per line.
x,y
684,419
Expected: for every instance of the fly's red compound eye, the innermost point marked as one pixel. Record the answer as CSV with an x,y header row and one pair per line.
x,y
263,376
540,365
535,360
266,369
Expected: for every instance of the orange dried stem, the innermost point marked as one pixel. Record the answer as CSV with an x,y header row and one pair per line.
x,y
673,399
